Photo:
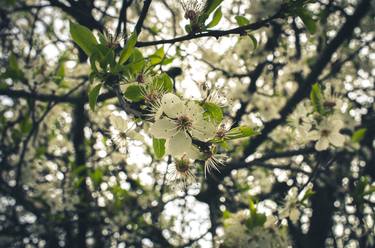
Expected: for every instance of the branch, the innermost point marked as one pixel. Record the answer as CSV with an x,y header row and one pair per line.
x,y
215,33
142,17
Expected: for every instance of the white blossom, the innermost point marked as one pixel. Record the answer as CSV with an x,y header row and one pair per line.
x,y
179,123
328,132
121,131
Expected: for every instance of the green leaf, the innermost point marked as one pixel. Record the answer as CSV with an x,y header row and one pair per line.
x,y
93,96
307,19
134,93
97,176
128,48
159,147
136,63
216,18
211,5
164,82
242,21
60,73
3,86
226,214
253,40
358,135
26,125
157,57
213,112
316,98
256,219
308,194
167,61
83,37
240,132
12,70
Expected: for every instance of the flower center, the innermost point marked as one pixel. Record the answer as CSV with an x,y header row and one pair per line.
x,y
329,104
140,79
184,123
123,135
152,97
325,132
182,165
191,15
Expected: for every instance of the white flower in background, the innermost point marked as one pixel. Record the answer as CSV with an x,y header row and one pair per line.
x,y
332,101
268,106
263,179
237,234
235,231
290,209
328,133
301,116
215,95
302,121
180,172
179,122
121,131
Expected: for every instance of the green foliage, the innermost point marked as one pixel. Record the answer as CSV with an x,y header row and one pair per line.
x,y
256,219
216,18
128,48
159,147
164,82
308,20
135,63
213,112
157,57
12,70
211,5
316,98
26,125
307,195
253,40
358,135
83,37
93,96
241,132
97,176
242,21
60,73
134,93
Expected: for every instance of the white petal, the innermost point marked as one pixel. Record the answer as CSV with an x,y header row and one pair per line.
x,y
337,139
203,130
338,124
313,135
118,122
163,129
193,110
172,105
322,144
294,215
193,153
178,144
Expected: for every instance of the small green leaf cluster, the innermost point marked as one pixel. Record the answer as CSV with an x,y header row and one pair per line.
x,y
112,69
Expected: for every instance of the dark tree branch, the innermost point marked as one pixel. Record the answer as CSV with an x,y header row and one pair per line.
x,y
214,33
142,17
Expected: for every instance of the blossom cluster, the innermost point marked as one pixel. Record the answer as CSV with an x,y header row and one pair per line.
x,y
238,233
320,120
